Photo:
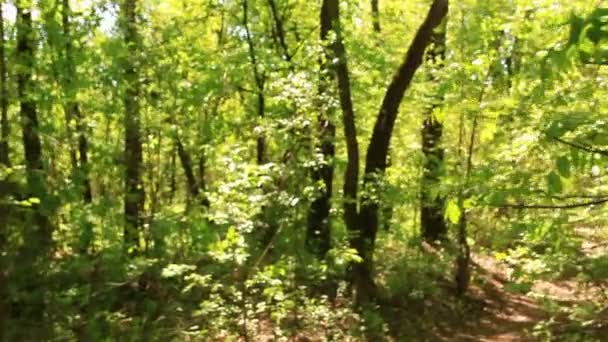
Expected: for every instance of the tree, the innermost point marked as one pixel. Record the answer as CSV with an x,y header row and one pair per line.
x,y
259,78
38,235
318,234
377,151
4,124
432,223
375,16
73,114
134,190
5,161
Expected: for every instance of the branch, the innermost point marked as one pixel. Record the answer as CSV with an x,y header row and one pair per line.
x,y
581,147
548,206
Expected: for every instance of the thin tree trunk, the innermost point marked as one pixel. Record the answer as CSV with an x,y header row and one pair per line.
x,y
134,191
4,124
462,276
378,149
172,178
280,30
318,233
330,19
72,107
186,161
376,16
259,79
73,115
432,222
202,185
4,160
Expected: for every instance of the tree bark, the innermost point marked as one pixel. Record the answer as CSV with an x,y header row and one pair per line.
x,y
318,233
72,107
432,222
259,79
331,12
202,184
376,16
377,151
5,160
134,191
38,235
29,119
191,182
279,30
4,124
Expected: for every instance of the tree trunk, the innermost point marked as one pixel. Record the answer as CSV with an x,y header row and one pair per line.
x,y
134,191
318,233
377,152
432,222
29,121
375,16
330,14
73,115
202,185
37,236
186,161
4,160
72,108
259,79
4,124
279,30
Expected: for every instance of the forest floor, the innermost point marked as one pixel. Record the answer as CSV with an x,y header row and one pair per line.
x,y
549,310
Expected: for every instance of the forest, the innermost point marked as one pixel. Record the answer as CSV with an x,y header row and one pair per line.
x,y
297,170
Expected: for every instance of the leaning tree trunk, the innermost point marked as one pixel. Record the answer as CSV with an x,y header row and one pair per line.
x,y
432,222
377,151
134,191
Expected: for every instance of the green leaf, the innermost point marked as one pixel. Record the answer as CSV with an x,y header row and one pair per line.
x,y
452,211
176,270
563,166
600,139
554,182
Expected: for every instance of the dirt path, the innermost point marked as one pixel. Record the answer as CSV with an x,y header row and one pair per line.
x,y
493,312
509,316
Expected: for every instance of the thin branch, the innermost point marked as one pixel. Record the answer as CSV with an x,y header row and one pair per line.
x,y
566,197
550,206
581,146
